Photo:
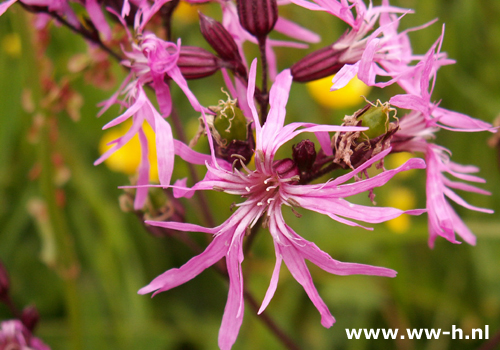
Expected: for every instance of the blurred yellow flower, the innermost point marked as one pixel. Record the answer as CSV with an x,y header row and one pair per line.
x,y
127,159
186,12
348,96
11,45
401,198
395,160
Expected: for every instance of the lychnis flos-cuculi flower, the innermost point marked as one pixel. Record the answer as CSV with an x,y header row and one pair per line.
x,y
272,185
247,149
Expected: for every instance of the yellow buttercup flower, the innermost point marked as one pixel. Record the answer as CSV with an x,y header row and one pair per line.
x,y
395,160
401,198
349,96
186,12
126,160
11,45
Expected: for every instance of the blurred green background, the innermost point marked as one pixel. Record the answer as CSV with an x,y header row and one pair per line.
x,y
86,289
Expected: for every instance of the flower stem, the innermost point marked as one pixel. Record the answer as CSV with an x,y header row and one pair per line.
x,y
221,269
269,322
253,233
264,102
166,12
90,36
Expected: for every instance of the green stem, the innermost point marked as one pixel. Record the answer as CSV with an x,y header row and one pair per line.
x,y
66,263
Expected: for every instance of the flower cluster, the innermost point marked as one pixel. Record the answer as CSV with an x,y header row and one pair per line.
x,y
14,335
17,333
248,133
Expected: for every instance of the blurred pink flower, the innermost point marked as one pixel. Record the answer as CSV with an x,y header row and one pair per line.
x,y
418,127
365,51
13,335
151,61
63,9
419,86
443,220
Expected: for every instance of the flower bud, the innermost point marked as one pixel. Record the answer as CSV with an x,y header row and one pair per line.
x,y
232,133
30,317
318,64
354,148
230,124
4,282
258,17
195,62
376,118
304,155
222,42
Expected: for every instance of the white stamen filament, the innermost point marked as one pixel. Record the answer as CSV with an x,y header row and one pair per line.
x,y
271,188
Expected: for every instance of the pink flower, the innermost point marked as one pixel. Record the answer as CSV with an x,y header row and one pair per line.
x,y
443,220
419,86
97,17
365,51
13,335
151,62
420,125
61,7
140,109
272,185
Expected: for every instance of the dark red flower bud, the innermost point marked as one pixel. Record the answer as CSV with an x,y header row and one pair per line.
x,y
258,17
195,62
219,38
304,155
318,64
4,282
222,42
30,317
